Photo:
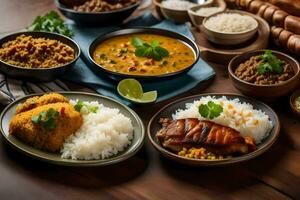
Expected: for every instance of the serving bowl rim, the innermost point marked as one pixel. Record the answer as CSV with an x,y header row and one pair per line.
x,y
255,28
79,163
63,7
45,33
192,12
221,162
156,2
287,57
143,29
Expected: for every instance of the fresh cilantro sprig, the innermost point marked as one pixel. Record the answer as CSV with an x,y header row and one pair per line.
x,y
152,50
51,22
46,118
270,63
210,110
79,104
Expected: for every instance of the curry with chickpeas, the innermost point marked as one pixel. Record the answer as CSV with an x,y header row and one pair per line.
x,y
144,54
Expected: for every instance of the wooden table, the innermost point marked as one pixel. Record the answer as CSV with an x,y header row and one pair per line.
x,y
273,175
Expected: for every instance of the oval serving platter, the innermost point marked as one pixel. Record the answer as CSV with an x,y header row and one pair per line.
x,y
136,144
145,30
170,109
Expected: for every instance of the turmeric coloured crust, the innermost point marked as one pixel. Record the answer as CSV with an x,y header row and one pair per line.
x,y
22,126
36,101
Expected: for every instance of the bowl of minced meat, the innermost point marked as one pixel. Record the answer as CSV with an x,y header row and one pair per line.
x,y
37,56
264,73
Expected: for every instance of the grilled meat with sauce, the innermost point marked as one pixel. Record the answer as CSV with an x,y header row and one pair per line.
x,y
191,132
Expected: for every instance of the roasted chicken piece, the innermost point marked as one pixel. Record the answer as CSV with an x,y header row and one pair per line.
x,y
191,132
67,122
36,101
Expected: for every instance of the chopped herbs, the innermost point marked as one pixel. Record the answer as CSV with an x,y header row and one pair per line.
x,y
46,119
270,63
51,22
103,56
152,50
113,62
174,64
80,104
210,110
163,63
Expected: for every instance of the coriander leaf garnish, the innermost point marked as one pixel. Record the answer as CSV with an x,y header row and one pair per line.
x,y
80,104
46,118
153,50
51,22
137,42
210,110
93,109
270,63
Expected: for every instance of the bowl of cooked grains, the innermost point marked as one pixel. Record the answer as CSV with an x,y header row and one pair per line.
x,y
264,74
96,12
230,27
37,56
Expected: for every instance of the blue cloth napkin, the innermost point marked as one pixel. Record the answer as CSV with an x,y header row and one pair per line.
x,y
102,84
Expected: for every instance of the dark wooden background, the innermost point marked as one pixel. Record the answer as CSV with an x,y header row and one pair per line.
x,y
273,175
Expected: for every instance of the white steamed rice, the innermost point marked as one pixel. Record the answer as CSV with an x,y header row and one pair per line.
x,y
207,11
230,23
103,134
177,4
237,115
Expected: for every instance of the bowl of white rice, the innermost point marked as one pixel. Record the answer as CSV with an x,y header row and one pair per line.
x,y
199,12
177,10
248,116
230,27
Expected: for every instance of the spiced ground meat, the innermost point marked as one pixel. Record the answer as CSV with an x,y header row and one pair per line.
x,y
103,5
28,52
247,71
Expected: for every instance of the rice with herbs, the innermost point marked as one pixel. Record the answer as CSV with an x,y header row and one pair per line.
x,y
236,114
104,133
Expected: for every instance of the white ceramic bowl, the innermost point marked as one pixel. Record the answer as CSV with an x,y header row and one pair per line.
x,y
225,38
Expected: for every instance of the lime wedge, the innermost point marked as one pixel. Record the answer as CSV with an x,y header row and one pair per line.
x,y
149,97
132,90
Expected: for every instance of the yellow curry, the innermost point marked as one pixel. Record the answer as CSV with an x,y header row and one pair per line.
x,y
118,54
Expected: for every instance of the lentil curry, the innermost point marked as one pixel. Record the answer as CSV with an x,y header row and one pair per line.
x,y
28,52
256,71
117,54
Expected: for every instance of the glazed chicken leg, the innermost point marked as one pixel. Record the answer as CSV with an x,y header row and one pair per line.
x,y
191,132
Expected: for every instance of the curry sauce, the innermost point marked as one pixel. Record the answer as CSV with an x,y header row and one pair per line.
x,y
117,54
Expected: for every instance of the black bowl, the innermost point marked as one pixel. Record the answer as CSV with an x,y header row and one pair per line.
x,y
97,18
118,76
39,74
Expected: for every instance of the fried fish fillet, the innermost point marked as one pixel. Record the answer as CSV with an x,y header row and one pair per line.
x,y
68,122
191,132
36,101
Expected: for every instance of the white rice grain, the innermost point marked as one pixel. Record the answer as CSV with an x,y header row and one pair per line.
x,y
103,134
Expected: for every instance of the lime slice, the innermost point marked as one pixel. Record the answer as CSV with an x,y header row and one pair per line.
x,y
132,90
149,97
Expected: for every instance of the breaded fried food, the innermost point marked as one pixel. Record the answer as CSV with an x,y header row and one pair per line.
x,y
36,101
68,121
